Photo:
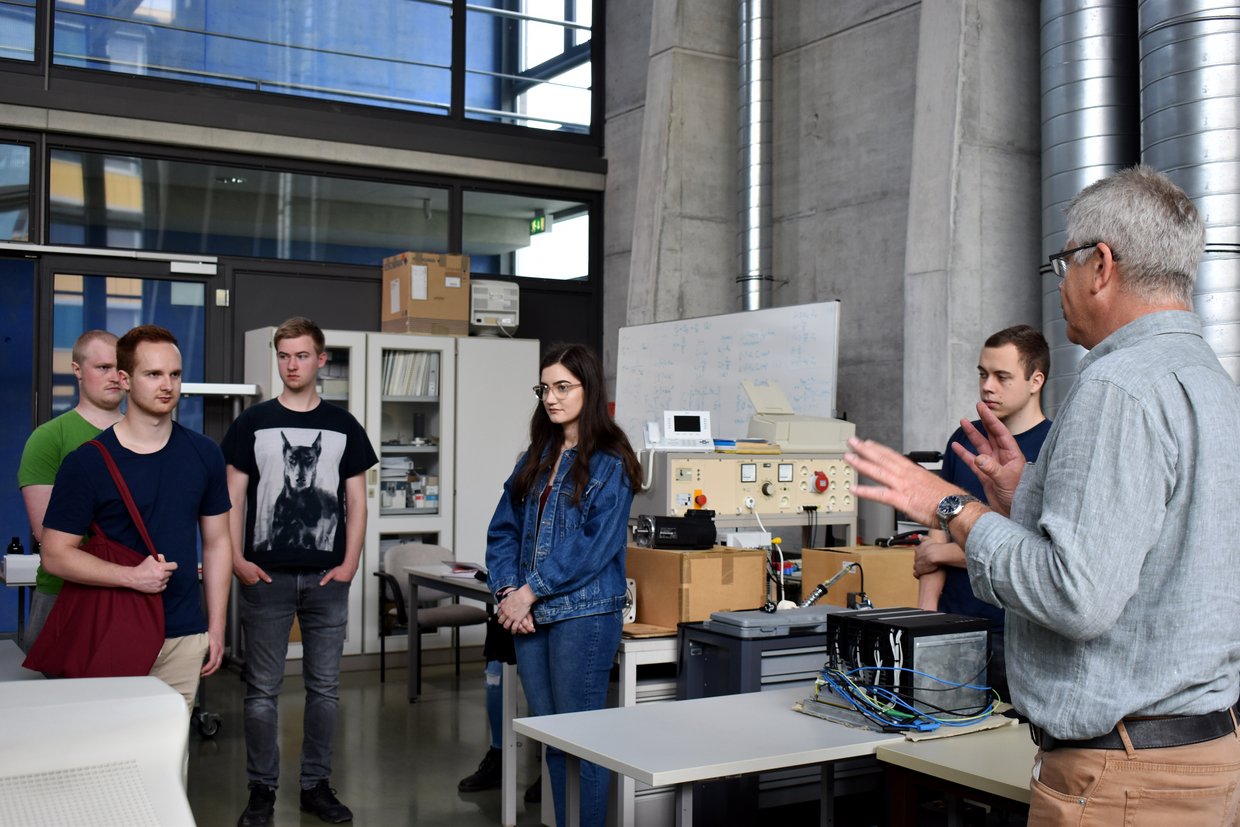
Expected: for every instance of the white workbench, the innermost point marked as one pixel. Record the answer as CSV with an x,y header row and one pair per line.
x,y
997,761
93,751
680,742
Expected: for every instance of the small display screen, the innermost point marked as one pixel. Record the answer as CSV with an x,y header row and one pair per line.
x,y
749,472
687,424
785,472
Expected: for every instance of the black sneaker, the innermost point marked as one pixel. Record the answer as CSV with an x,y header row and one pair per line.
x,y
321,800
261,809
488,776
533,793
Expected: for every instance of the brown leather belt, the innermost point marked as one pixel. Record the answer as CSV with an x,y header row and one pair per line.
x,y
1148,733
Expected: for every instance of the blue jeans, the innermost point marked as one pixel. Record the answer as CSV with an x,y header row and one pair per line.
x,y
267,611
495,702
564,667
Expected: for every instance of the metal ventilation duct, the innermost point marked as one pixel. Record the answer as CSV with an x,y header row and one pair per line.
x,y
1090,123
1190,129
754,153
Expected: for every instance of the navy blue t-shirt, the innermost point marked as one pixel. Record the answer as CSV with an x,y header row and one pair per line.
x,y
957,594
172,488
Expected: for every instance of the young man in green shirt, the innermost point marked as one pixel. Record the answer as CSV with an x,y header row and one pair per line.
x,y
99,401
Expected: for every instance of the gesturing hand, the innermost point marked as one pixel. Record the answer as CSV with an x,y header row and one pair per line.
x,y
998,462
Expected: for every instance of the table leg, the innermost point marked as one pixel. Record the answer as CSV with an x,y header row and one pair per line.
x,y
826,810
684,804
572,789
21,614
411,686
626,788
508,772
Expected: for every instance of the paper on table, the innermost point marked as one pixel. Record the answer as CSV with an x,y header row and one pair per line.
x,y
458,568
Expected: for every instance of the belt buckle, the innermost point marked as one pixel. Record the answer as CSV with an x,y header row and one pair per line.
x,y
1041,738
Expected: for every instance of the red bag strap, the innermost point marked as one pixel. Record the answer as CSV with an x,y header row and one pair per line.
x,y
126,496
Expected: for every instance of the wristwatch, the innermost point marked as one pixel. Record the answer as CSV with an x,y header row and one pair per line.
x,y
951,506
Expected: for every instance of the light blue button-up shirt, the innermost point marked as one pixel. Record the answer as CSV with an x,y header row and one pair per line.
x,y
1120,568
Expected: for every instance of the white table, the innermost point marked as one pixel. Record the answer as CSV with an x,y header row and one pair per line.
x,y
21,582
996,762
633,653
93,751
680,742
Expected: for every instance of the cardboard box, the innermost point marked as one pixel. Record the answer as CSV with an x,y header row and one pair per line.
x,y
426,327
682,586
889,579
422,289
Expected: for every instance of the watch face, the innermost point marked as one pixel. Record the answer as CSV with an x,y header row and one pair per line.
x,y
950,506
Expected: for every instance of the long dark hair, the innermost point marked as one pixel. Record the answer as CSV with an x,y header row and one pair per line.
x,y
596,430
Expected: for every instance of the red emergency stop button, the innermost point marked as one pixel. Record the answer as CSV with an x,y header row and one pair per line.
x,y
821,483
699,499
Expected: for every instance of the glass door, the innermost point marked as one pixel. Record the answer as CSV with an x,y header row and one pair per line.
x,y
117,294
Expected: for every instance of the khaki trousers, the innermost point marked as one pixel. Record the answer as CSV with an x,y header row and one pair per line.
x,y
179,664
1197,785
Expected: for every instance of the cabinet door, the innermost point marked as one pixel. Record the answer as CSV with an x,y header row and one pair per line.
x,y
495,380
342,381
411,421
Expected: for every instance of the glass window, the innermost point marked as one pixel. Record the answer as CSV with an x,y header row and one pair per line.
x,y
116,303
17,29
518,235
389,53
175,206
532,66
14,192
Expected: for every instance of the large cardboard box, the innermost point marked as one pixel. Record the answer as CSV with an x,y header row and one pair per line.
x,y
889,579
682,586
426,327
425,293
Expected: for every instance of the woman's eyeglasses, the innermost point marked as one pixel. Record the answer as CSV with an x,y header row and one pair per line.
x,y
557,389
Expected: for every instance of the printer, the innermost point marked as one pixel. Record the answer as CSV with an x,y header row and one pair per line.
x,y
776,422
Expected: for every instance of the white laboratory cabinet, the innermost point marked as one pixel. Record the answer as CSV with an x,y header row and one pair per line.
x,y
460,438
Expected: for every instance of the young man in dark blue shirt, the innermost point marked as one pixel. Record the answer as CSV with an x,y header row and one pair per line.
x,y
176,477
1011,373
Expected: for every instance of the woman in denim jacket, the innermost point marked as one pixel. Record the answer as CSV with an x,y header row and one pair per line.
x,y
555,552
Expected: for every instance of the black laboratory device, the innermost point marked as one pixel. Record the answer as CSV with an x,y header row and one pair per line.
x,y
694,531
901,648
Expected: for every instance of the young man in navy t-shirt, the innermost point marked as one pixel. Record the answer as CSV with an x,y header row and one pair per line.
x,y
176,477
1011,373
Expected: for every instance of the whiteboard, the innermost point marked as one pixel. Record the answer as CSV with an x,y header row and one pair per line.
x,y
698,365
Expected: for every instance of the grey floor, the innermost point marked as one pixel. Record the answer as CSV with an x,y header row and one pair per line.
x,y
395,763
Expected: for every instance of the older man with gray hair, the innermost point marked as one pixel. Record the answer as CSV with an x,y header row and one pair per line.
x,y
1123,629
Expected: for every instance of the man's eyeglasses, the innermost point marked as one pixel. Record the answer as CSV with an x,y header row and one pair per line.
x,y
558,389
1059,261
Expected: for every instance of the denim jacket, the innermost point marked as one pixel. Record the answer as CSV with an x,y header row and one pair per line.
x,y
574,558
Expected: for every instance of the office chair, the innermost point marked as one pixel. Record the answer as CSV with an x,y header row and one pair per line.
x,y
432,612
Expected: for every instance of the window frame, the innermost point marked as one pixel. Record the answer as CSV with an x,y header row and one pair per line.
x,y
45,84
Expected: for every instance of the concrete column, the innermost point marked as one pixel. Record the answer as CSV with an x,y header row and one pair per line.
x,y
971,254
683,255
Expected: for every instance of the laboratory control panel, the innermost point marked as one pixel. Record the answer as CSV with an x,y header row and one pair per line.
x,y
740,485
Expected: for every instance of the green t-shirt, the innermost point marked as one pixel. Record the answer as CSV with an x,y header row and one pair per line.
x,y
46,448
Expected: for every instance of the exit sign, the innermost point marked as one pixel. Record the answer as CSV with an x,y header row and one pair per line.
x,y
538,224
